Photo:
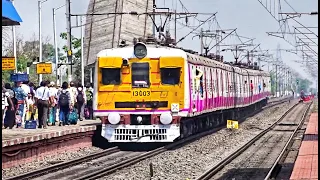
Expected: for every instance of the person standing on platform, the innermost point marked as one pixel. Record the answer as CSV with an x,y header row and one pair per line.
x,y
54,96
21,97
73,91
9,119
64,104
26,89
89,95
43,101
80,101
7,104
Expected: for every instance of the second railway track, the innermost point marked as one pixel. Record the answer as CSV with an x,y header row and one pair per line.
x,y
258,158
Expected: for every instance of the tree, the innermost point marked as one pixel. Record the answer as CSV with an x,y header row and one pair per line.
x,y
76,58
273,83
28,51
303,84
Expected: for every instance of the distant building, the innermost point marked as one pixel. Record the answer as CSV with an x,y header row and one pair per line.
x,y
107,31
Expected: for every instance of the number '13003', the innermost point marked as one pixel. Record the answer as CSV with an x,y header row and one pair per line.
x,y
141,93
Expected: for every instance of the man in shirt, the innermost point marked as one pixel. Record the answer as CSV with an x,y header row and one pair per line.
x,y
43,101
26,89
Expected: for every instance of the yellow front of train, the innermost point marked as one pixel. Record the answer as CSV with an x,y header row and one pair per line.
x,y
140,94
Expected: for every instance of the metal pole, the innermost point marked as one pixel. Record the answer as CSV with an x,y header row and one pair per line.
x,y
55,45
40,39
69,44
154,6
14,46
201,41
82,60
175,25
276,80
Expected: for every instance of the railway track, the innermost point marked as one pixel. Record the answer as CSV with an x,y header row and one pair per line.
x,y
265,149
108,169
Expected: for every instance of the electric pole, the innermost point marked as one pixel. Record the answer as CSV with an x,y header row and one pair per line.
x,y
69,44
201,40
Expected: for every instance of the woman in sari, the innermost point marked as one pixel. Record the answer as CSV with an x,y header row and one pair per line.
x,y
9,120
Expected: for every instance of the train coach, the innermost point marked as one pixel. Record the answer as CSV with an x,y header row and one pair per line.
x,y
152,93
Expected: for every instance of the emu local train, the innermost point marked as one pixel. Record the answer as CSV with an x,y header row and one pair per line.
x,y
151,93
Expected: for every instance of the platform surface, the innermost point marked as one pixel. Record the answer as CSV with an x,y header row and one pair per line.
x,y
19,135
306,164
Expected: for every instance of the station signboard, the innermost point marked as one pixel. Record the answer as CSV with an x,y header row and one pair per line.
x,y
44,68
8,63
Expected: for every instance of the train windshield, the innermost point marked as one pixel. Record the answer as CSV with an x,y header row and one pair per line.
x,y
110,76
170,76
140,75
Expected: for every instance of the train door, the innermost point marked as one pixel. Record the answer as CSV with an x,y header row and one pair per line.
x,y
193,88
209,88
201,89
223,82
219,87
231,89
241,88
227,92
215,87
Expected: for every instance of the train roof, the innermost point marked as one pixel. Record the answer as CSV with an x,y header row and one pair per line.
x,y
153,52
156,51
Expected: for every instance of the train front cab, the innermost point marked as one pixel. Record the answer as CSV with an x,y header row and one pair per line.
x,y
140,102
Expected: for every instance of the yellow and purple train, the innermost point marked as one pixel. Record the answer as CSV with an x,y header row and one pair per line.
x,y
152,93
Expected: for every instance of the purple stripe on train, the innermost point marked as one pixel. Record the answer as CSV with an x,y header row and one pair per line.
x,y
139,110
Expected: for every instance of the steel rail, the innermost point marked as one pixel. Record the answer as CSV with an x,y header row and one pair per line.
x,y
45,170
128,162
215,169
134,160
285,149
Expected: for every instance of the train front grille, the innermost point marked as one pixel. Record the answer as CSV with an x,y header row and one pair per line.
x,y
135,134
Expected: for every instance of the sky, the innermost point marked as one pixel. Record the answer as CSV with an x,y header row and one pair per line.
x,y
248,16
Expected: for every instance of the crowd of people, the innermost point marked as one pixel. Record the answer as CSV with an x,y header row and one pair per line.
x,y
47,104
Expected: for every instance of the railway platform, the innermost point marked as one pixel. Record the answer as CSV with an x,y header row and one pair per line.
x,y
24,145
306,164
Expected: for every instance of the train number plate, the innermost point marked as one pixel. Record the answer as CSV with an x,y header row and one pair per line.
x,y
141,93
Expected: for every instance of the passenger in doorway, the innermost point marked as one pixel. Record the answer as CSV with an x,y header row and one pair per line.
x,y
64,104
251,87
43,102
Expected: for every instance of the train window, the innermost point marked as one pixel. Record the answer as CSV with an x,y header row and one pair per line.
x,y
140,75
170,76
110,76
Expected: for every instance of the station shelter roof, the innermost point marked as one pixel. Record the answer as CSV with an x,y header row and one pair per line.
x,y
10,15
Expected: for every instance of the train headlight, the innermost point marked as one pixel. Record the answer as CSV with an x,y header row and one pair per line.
x,y
165,118
140,50
114,118
174,107
139,119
